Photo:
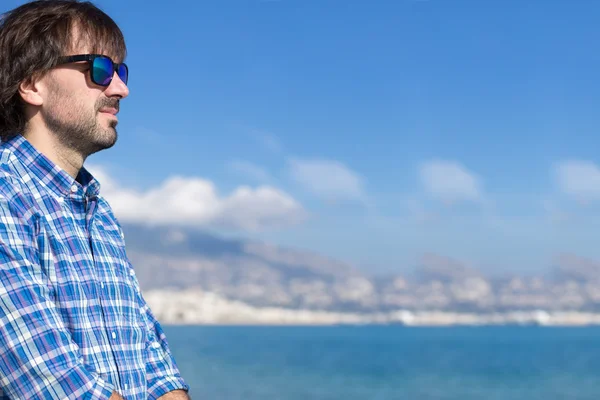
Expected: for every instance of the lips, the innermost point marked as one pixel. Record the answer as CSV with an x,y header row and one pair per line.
x,y
112,111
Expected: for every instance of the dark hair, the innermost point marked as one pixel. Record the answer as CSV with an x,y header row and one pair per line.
x,y
32,39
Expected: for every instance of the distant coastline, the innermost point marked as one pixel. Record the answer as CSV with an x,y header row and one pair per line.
x,y
196,307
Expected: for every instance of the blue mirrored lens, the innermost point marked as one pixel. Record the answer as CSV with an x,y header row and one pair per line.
x,y
123,73
102,71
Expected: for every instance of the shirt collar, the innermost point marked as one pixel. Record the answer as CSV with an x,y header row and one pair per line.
x,y
50,174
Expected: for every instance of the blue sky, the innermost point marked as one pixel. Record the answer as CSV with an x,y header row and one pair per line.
x,y
370,131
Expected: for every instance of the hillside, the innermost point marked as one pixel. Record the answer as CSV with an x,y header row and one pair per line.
x,y
261,275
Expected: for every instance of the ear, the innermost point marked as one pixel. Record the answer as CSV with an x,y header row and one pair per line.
x,y
30,91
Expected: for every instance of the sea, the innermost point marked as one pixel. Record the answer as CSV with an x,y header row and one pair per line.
x,y
388,362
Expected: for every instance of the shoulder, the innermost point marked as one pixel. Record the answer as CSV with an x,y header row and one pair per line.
x,y
108,217
15,195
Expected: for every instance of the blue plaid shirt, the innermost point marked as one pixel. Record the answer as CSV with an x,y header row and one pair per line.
x,y
73,322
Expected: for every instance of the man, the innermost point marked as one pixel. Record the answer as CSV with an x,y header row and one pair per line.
x,y
73,322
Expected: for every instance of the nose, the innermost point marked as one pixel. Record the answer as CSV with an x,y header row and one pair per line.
x,y
117,88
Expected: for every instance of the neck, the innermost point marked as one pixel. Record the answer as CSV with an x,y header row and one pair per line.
x,y
48,144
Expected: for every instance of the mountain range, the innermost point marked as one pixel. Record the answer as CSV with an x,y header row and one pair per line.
x,y
264,275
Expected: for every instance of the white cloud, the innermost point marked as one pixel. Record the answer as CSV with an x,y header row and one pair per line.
x,y
450,182
250,170
579,179
328,179
195,202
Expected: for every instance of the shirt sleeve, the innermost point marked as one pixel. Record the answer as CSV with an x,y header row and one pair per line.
x,y
161,370
38,358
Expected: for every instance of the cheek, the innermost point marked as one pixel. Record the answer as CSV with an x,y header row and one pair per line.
x,y
71,106
68,101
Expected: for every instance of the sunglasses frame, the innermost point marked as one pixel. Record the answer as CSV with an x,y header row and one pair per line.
x,y
89,58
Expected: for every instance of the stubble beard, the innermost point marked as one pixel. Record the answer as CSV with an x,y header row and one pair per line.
x,y
78,129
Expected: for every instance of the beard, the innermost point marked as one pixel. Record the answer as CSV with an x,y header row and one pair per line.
x,y
76,127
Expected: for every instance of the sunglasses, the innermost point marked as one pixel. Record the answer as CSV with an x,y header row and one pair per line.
x,y
102,68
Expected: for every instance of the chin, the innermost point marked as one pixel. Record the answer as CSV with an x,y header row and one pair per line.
x,y
108,137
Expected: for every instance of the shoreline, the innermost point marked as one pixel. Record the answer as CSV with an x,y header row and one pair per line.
x,y
291,325
207,309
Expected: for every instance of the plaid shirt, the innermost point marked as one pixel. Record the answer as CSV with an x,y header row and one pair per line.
x,y
73,322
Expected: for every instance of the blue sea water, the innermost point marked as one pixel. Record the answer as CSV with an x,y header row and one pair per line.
x,y
388,362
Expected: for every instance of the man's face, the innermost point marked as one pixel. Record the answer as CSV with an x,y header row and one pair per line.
x,y
80,113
